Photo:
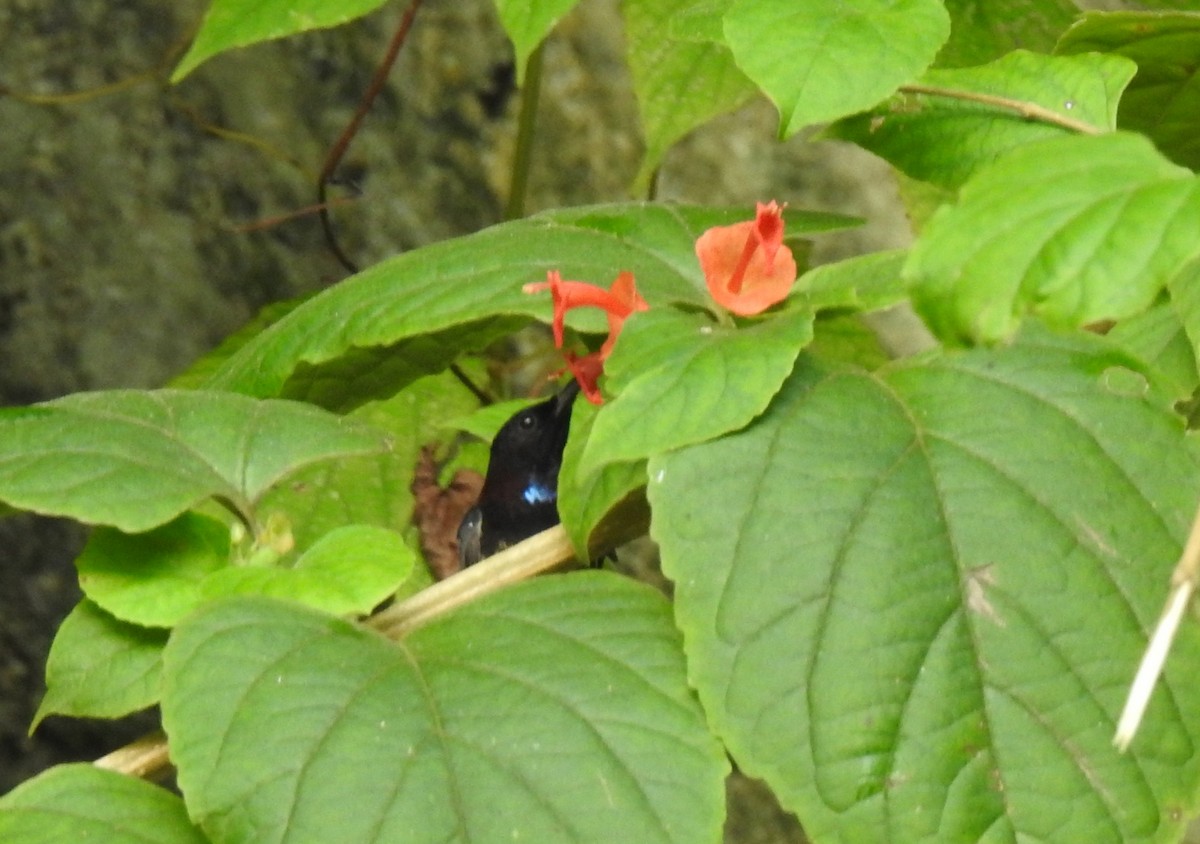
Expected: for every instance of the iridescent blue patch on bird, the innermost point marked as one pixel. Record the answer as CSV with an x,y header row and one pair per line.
x,y
539,494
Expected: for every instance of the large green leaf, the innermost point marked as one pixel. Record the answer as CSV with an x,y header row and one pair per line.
x,y
555,710
1163,101
100,667
1076,229
443,295
679,379
824,59
946,139
84,803
527,22
457,285
913,602
157,577
238,23
681,83
984,30
136,459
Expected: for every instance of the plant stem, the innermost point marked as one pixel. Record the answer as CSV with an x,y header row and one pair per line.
x,y
1027,110
145,757
1184,581
526,123
334,158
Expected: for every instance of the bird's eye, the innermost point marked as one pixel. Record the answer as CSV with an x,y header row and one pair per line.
x,y
528,421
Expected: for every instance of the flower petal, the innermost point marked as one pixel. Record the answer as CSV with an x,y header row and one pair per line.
x,y
746,265
768,227
568,295
587,371
624,291
618,302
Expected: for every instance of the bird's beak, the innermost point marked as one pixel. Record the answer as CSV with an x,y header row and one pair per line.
x,y
565,399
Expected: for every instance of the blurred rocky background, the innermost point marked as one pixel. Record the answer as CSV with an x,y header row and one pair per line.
x,y
132,211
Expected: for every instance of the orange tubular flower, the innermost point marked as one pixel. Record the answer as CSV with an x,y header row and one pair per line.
x,y
746,265
618,302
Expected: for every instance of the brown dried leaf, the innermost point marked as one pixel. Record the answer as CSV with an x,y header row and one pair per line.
x,y
437,512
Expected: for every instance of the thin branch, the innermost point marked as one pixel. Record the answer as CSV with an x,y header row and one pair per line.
x,y
1184,582
338,150
279,219
484,397
1027,110
157,73
526,123
246,139
652,187
82,96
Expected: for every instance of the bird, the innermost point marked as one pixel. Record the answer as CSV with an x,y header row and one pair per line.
x,y
520,490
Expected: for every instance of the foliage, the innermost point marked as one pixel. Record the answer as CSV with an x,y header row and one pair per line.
x,y
908,595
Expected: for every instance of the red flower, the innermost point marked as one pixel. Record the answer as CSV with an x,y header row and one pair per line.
x,y
587,370
618,302
746,265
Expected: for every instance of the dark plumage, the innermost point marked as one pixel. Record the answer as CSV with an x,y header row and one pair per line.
x,y
520,493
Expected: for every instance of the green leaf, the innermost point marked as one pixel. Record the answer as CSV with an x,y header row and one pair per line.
x,y
197,375
1157,338
984,30
238,23
1163,101
680,83
136,459
913,602
1076,230
373,489
348,571
527,22
555,710
1185,301
465,281
462,285
156,578
1183,5
947,138
701,21
585,499
846,339
862,283
100,667
825,59
84,803
360,375
679,379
